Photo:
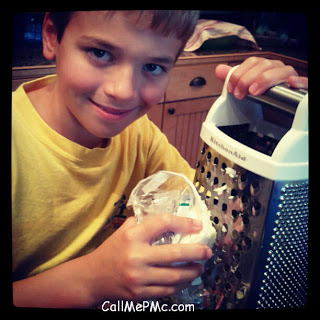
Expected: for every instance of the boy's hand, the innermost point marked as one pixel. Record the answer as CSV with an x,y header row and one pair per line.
x,y
256,75
126,266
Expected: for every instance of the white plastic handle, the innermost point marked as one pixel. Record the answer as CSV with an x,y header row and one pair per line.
x,y
227,110
294,146
289,160
301,118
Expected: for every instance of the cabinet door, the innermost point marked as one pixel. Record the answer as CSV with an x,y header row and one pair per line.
x,y
182,123
155,115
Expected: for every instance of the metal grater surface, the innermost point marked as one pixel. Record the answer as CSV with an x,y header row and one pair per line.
x,y
253,175
284,280
260,255
238,200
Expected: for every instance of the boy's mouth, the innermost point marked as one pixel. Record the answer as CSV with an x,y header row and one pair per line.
x,y
108,112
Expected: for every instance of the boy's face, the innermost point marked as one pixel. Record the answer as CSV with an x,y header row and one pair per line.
x,y
111,71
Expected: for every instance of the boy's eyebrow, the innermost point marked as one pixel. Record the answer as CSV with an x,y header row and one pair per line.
x,y
165,59
99,42
104,44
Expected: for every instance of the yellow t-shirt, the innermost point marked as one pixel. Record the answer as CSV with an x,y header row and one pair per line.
x,y
66,199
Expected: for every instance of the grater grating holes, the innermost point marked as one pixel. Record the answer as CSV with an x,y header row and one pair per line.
x,y
285,275
231,204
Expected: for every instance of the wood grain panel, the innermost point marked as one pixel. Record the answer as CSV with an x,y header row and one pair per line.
x,y
179,85
183,126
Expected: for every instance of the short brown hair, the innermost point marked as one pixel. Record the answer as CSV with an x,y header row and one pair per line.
x,y
179,24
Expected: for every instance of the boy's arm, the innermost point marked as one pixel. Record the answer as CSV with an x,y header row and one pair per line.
x,y
64,286
124,267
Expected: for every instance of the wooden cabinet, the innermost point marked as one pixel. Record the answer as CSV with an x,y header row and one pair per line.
x,y
182,121
24,74
192,89
195,81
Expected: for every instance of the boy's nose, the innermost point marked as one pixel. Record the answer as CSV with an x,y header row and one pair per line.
x,y
122,84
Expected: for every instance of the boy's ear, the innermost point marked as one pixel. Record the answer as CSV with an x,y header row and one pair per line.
x,y
49,38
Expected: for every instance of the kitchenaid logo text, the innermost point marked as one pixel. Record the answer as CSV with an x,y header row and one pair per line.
x,y
232,152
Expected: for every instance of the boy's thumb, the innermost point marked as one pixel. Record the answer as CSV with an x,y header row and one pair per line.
x,y
222,71
129,223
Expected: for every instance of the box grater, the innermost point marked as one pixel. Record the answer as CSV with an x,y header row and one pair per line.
x,y
253,174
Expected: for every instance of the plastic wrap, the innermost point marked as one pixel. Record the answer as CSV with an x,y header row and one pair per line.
x,y
169,192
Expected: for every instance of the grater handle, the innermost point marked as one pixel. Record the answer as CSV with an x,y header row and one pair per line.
x,y
282,97
294,146
289,160
294,101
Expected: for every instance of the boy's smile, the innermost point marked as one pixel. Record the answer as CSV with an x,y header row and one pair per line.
x,y
111,69
111,113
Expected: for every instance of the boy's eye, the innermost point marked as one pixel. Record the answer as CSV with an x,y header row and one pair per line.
x,y
155,69
99,54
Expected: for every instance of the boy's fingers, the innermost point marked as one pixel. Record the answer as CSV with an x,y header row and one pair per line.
x,y
152,227
270,78
167,254
242,70
298,82
174,275
258,76
222,71
255,75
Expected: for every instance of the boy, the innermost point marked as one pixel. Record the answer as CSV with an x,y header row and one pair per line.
x,y
81,142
